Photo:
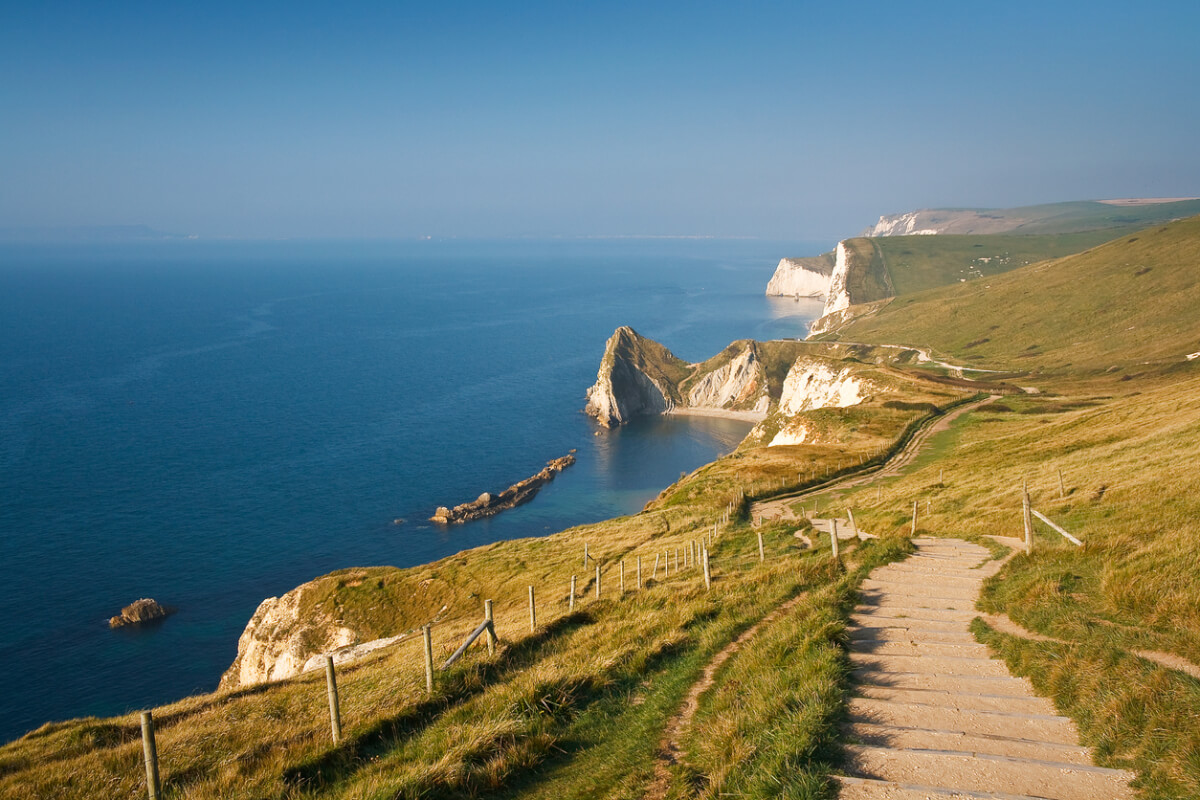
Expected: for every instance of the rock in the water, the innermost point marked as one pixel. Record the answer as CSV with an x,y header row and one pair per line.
x,y
140,611
488,504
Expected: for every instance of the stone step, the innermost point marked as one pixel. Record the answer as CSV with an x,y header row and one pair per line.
x,y
911,648
882,620
941,665
869,789
928,739
1041,727
865,633
975,701
983,773
906,571
1014,687
883,598
925,589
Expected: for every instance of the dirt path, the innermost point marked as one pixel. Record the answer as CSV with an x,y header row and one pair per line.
x,y
780,507
935,716
669,749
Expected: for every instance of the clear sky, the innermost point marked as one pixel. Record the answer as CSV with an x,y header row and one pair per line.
x,y
784,120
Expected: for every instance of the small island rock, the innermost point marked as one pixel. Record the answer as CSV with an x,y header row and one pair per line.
x,y
139,611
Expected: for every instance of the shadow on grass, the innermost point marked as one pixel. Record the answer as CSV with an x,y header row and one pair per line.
x,y
456,686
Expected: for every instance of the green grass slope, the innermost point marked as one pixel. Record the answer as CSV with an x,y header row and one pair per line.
x,y
1121,305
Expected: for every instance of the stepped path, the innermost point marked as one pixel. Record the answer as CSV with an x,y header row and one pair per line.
x,y
934,716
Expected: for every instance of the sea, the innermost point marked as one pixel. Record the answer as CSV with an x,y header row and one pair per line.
x,y
212,423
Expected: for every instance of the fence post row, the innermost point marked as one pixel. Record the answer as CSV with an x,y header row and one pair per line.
x,y
428,634
491,628
150,752
1026,519
335,714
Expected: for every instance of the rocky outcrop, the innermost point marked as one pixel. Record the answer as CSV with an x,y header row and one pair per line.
x,y
814,383
913,223
637,376
138,612
801,277
347,613
281,636
488,504
739,383
838,296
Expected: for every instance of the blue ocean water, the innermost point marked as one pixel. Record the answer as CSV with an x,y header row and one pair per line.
x,y
210,424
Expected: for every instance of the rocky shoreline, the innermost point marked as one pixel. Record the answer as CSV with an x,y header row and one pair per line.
x,y
488,504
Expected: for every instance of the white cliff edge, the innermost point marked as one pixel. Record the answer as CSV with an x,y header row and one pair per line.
x,y
734,383
811,384
794,279
276,642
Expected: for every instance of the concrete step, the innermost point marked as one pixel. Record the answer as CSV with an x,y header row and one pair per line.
x,y
1014,687
906,574
904,608
976,701
869,789
879,619
882,598
1040,727
941,665
984,773
918,648
927,739
920,588
873,633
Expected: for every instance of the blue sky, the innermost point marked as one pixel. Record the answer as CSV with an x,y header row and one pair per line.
x,y
780,120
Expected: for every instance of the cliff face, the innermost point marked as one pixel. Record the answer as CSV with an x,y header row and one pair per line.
x,y
640,377
279,639
346,613
801,277
637,376
739,383
838,296
814,383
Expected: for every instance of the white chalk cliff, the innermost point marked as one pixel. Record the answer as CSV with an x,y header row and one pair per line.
x,y
631,380
814,383
838,295
277,642
914,223
796,278
735,383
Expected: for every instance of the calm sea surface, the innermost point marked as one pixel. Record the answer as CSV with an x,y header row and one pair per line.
x,y
212,424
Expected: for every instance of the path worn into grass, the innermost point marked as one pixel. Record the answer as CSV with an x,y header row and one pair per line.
x,y
669,749
934,716
780,507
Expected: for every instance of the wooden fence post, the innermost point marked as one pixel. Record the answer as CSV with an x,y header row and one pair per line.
x,y
597,581
491,631
833,537
914,522
585,555
571,605
1062,487
532,612
1027,519
639,573
940,481
150,752
761,556
622,577
853,524
428,635
707,572
654,575
335,714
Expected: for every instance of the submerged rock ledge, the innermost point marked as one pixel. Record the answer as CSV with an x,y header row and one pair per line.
x,y
488,504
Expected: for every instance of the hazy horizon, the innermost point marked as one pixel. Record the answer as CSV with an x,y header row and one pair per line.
x,y
773,121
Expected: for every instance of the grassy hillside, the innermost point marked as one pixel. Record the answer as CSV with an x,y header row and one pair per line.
x,y
1053,218
573,708
1121,305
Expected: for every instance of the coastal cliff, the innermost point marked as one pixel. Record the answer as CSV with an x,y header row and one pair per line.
x,y
640,377
802,277
347,613
637,377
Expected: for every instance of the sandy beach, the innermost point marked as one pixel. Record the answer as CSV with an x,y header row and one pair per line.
x,y
723,413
